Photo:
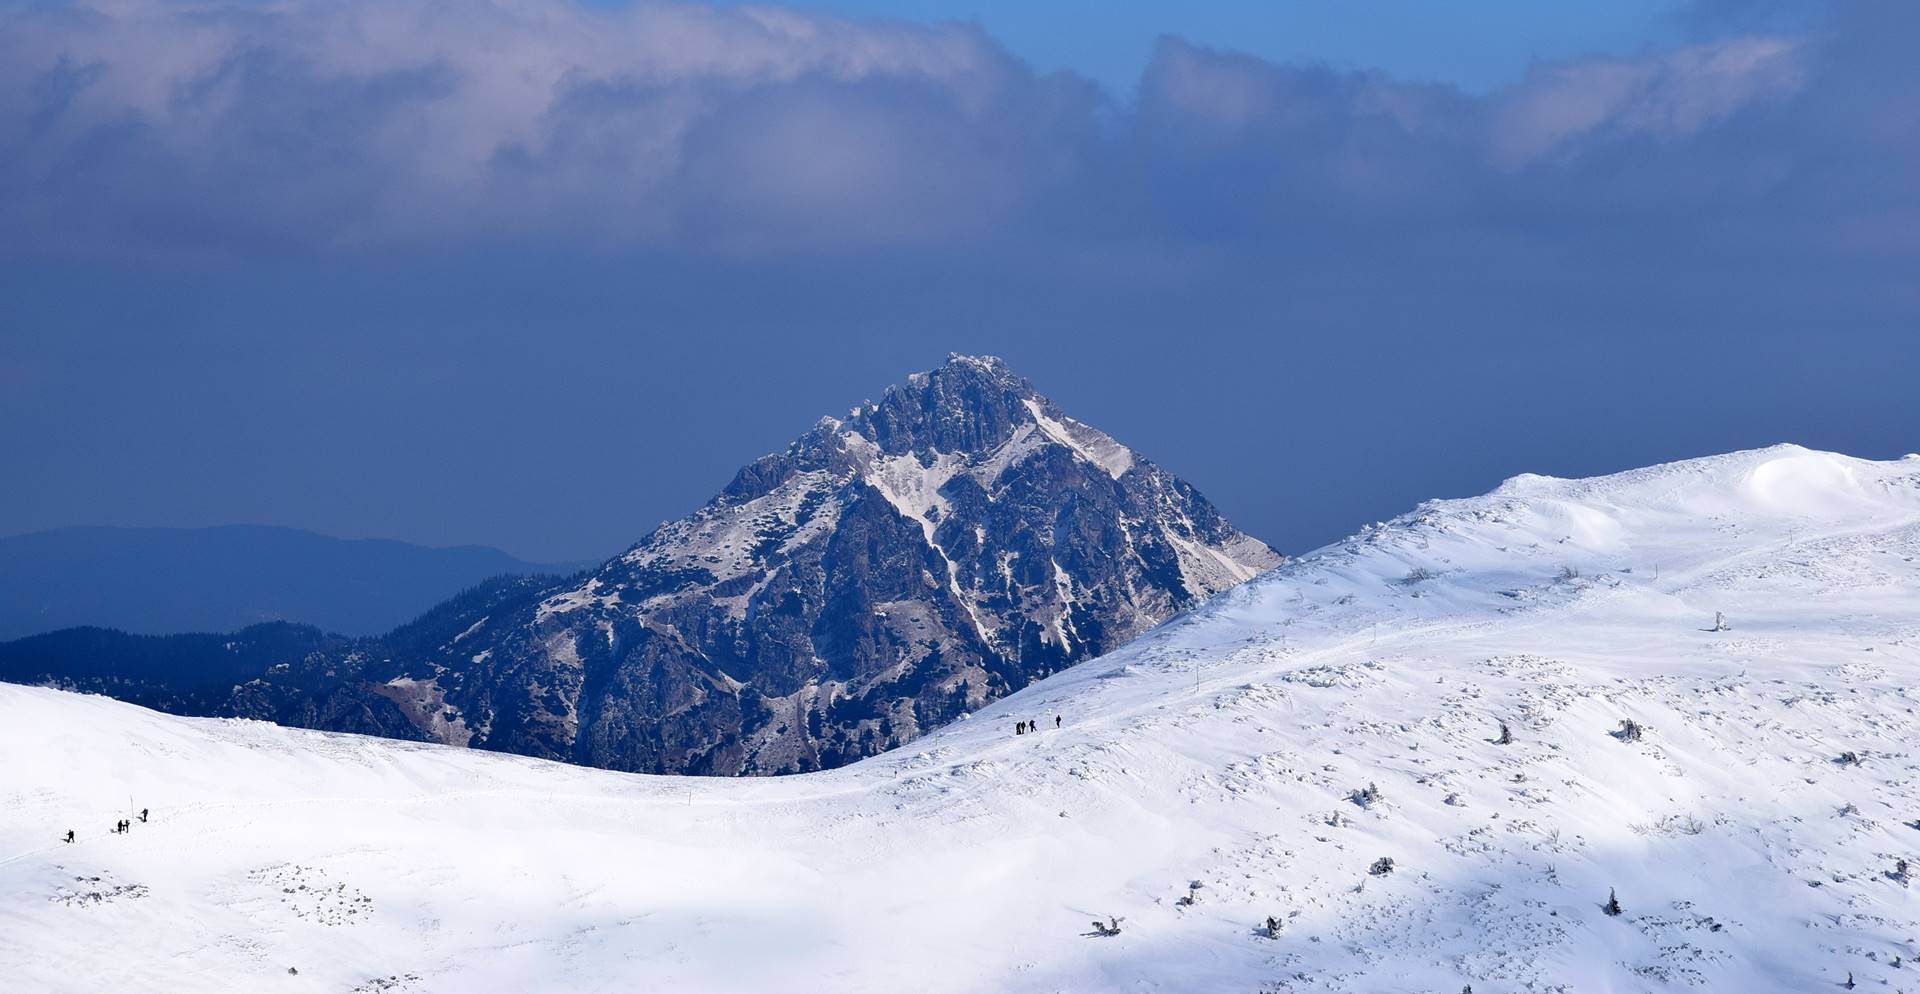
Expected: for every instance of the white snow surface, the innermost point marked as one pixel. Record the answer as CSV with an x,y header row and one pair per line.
x,y
1221,748
1087,442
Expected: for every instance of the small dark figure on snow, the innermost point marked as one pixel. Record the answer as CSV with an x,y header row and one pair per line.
x,y
1273,927
1629,730
1612,907
69,835
143,816
1056,721
1107,928
1849,984
1019,728
1506,735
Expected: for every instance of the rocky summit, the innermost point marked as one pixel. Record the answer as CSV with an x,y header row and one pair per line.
x,y
888,572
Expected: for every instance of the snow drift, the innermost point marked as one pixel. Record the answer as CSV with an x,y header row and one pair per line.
x,y
1276,746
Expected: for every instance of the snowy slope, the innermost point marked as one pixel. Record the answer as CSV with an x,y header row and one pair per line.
x,y
1220,748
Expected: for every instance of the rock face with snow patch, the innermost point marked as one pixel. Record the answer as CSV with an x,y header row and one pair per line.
x,y
886,573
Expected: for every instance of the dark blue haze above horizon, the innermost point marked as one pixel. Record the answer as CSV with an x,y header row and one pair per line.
x,y
393,293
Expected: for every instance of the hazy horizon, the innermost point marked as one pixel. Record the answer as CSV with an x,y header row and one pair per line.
x,y
542,276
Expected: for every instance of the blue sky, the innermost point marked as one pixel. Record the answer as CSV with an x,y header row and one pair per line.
x,y
541,275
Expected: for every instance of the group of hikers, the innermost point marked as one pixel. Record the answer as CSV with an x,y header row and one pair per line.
x,y
1023,727
121,827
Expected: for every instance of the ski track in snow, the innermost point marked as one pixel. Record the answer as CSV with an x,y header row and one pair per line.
x,y
1223,747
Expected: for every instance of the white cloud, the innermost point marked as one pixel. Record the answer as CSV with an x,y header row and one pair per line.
x,y
1666,96
333,125
373,120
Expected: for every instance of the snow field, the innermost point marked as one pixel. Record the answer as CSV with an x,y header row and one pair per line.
x,y
1223,747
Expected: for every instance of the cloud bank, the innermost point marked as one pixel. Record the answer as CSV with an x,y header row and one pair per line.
x,y
136,126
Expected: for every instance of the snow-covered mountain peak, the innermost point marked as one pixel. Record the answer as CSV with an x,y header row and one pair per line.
x,y
968,404
888,571
935,548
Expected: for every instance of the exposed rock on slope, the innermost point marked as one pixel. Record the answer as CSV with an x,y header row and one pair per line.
x,y
887,572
